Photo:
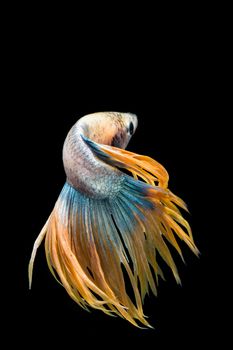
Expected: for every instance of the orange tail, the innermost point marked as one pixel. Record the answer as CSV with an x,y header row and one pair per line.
x,y
88,240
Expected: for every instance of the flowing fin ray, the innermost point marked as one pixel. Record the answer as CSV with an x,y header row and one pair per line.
x,y
88,240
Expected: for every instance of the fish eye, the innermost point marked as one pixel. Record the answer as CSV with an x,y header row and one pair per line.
x,y
131,128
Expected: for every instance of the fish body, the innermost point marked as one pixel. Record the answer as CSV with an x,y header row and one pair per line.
x,y
105,220
85,172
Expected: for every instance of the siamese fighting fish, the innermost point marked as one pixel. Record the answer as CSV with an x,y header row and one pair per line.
x,y
113,218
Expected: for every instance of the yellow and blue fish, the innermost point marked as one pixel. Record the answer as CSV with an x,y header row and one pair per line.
x,y
106,221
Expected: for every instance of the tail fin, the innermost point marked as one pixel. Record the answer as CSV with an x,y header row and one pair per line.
x,y
88,241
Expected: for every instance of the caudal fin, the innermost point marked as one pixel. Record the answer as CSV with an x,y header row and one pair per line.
x,y
90,242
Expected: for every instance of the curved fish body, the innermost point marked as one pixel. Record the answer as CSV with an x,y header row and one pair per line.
x,y
106,221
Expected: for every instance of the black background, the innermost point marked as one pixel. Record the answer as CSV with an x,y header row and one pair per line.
x,y
169,80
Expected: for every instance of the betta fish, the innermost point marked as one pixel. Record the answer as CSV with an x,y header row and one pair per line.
x,y
114,216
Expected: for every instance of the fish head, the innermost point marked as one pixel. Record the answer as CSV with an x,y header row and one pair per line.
x,y
110,128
